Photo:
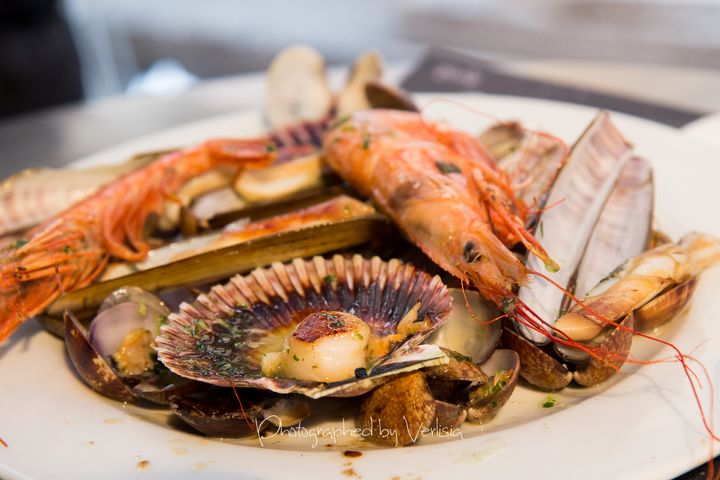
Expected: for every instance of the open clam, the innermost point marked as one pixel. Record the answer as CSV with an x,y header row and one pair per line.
x,y
248,332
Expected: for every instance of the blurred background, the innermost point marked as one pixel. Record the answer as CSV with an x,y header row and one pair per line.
x,y
58,51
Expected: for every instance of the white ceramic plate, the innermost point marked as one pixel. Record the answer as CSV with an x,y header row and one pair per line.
x,y
644,425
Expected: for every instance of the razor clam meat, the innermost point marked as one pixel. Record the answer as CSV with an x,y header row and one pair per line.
x,y
224,337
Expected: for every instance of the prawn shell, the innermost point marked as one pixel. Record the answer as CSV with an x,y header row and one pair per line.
x,y
91,366
222,336
485,401
614,350
664,307
537,367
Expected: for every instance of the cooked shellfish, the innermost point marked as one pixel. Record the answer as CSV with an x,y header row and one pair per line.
x,y
222,337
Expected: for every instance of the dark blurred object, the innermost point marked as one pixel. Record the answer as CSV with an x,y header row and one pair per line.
x,y
39,65
444,70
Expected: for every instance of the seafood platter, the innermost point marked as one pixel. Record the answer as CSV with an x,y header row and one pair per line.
x,y
363,261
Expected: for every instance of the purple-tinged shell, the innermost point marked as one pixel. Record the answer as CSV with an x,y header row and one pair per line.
x,y
221,337
91,366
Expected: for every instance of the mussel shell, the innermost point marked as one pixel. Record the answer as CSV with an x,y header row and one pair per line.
x,y
91,366
218,413
537,367
486,400
613,351
221,337
664,307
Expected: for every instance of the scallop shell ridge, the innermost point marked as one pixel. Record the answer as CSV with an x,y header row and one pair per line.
x,y
221,337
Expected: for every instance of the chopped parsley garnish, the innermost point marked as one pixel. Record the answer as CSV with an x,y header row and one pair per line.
x,y
366,142
67,249
337,324
358,336
549,402
329,278
507,305
295,357
340,121
271,148
446,167
19,242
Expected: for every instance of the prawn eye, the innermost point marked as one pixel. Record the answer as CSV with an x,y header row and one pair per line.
x,y
470,254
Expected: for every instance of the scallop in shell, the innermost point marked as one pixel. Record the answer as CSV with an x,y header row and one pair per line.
x,y
227,336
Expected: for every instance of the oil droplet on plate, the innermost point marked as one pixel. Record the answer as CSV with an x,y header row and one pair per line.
x,y
143,464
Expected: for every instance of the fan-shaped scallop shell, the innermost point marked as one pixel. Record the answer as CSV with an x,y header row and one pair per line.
x,y
221,337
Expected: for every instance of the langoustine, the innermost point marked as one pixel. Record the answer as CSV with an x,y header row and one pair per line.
x,y
72,249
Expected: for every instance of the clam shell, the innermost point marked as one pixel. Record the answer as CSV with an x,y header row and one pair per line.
x,y
91,366
537,367
615,350
221,337
465,331
380,95
664,307
486,400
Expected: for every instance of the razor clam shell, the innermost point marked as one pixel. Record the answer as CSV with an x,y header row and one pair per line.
x,y
614,350
297,87
463,331
220,264
624,227
32,196
533,166
220,338
536,366
664,307
484,401
581,191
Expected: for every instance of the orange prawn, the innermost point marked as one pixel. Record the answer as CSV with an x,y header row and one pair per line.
x,y
443,190
69,251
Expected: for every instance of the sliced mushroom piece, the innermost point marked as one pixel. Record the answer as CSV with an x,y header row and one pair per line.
x,y
485,401
612,353
297,88
280,180
537,367
397,411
